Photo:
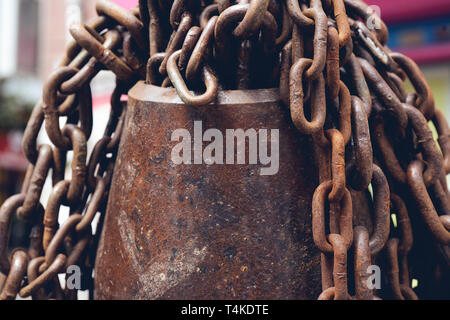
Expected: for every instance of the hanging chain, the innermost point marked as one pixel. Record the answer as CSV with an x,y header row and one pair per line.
x,y
343,87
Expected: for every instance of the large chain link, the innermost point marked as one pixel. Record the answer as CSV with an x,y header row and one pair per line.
x,y
343,87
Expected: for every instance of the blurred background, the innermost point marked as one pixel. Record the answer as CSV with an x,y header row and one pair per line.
x,y
33,34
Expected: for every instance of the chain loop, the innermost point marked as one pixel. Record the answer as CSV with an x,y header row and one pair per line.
x,y
210,82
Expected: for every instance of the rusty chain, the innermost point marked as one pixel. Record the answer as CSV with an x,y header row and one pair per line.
x,y
343,87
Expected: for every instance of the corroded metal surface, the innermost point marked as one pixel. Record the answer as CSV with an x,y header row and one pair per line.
x,y
207,232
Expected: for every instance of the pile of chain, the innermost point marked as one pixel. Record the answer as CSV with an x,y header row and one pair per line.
x,y
344,88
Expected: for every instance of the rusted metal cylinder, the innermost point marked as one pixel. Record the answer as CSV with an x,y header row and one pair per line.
x,y
198,231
